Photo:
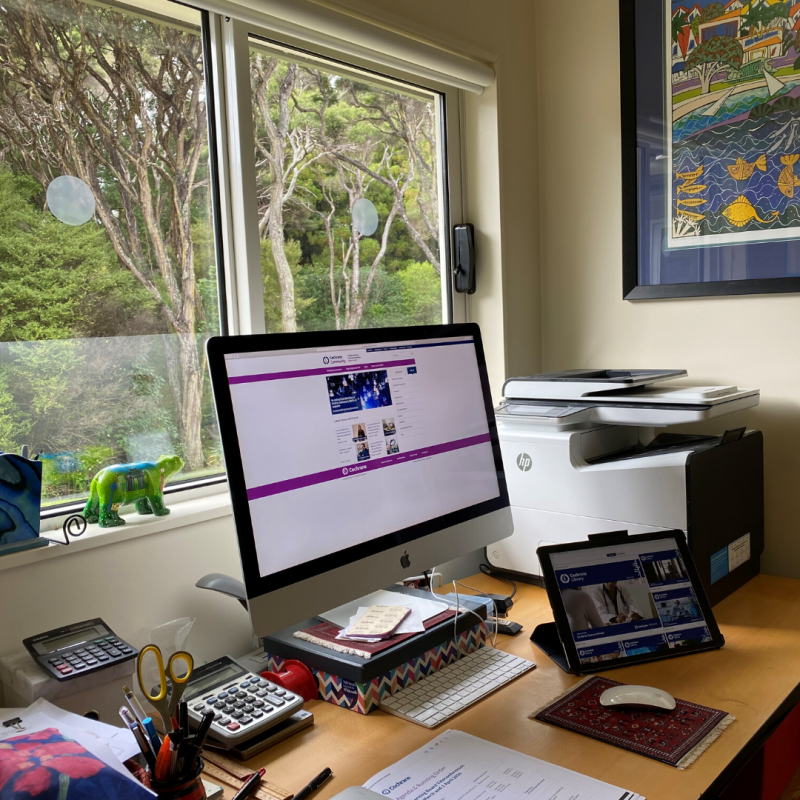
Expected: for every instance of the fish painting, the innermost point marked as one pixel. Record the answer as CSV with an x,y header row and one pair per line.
x,y
741,211
692,188
691,215
741,170
787,180
692,202
689,178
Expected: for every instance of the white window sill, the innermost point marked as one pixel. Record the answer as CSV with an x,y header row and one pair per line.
x,y
187,512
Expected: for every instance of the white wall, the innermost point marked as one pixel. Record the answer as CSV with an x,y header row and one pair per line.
x,y
134,584
747,341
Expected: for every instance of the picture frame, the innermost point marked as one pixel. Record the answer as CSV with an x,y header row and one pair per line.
x,y
708,169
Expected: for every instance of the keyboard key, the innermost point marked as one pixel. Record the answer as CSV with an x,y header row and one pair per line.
x,y
257,714
237,714
234,726
114,653
246,720
103,658
233,689
255,680
222,695
244,685
222,721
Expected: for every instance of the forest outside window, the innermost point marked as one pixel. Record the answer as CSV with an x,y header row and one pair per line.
x,y
111,240
102,324
349,193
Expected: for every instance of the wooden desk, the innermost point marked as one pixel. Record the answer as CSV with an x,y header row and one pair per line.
x,y
756,677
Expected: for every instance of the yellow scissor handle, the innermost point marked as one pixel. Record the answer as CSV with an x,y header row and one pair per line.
x,y
162,677
180,655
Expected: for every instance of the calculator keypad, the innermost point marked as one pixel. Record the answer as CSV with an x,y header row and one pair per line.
x,y
246,702
87,657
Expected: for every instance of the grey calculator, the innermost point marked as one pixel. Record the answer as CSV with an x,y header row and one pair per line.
x,y
244,704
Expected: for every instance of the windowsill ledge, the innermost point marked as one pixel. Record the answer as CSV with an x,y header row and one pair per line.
x,y
188,512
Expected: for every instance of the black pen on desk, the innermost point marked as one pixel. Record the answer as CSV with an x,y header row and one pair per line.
x,y
250,784
314,785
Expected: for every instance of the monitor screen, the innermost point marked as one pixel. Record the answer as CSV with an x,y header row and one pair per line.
x,y
627,599
349,445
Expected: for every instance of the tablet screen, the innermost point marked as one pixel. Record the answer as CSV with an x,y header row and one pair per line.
x,y
629,599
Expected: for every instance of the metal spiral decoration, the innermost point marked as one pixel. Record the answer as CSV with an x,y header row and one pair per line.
x,y
74,525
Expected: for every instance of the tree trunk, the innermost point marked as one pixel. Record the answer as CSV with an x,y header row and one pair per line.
x,y
192,391
285,277
706,72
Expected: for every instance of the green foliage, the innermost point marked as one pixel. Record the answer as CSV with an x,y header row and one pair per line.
x,y
422,294
678,23
59,281
722,50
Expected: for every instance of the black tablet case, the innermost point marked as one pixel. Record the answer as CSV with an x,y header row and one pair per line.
x,y
546,636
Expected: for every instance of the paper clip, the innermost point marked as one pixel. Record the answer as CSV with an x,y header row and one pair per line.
x,y
15,723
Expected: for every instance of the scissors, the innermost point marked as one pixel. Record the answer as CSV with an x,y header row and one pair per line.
x,y
165,705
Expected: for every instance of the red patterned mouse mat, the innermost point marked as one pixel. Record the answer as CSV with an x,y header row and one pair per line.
x,y
675,737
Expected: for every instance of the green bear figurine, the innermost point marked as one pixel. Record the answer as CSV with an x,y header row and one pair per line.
x,y
123,484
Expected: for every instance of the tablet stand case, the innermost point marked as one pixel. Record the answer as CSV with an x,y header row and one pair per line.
x,y
545,636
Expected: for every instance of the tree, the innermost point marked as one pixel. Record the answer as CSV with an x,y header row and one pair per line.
x,y
287,145
712,56
680,27
118,102
711,11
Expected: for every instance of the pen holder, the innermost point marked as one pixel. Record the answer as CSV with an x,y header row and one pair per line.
x,y
187,788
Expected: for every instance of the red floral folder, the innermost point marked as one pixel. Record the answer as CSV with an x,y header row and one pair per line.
x,y
47,766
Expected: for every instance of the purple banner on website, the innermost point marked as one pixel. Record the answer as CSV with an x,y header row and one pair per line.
x,y
279,487
306,373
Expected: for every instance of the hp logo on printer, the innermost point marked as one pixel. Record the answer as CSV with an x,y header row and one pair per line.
x,y
524,462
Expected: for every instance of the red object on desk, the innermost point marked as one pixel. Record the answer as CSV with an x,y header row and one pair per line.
x,y
296,677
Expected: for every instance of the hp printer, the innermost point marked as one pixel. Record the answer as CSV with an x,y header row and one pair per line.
x,y
581,456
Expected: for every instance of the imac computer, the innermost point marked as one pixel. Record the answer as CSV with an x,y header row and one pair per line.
x,y
355,459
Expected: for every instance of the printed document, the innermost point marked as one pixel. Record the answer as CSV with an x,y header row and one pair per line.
x,y
457,766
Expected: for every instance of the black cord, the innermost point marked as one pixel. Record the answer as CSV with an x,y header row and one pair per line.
x,y
487,570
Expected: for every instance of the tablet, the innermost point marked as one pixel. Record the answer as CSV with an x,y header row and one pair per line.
x,y
620,600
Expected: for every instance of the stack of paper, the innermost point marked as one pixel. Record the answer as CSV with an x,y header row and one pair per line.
x,y
376,623
456,765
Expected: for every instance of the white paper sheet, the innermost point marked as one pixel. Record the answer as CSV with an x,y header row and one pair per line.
x,y
457,766
413,623
427,608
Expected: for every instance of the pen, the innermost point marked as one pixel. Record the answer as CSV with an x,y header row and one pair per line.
x,y
126,715
164,760
249,784
314,785
134,704
144,745
152,733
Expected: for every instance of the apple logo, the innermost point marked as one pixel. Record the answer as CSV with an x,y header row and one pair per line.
x,y
405,561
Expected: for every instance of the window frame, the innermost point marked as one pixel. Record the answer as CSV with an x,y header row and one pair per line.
x,y
248,287
226,46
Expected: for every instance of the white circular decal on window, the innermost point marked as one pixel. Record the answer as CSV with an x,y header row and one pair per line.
x,y
365,216
70,200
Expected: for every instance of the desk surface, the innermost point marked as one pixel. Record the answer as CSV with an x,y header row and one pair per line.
x,y
754,677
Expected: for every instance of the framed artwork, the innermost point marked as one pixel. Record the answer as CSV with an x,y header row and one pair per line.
x,y
710,96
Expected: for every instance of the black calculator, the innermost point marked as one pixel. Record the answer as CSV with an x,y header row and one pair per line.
x,y
79,649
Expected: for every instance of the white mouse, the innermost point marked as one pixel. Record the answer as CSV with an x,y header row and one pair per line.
x,y
637,696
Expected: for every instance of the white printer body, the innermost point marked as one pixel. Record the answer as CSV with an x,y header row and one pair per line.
x,y
581,456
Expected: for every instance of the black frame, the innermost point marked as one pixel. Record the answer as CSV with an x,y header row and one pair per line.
x,y
219,346
631,288
603,542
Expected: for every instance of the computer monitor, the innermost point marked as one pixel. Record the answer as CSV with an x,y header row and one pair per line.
x,y
355,459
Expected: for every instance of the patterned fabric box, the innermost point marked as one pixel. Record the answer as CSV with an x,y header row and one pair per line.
x,y
365,697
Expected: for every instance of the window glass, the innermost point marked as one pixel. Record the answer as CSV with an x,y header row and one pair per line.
x,y
349,193
107,268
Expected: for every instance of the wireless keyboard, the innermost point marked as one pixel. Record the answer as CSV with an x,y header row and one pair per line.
x,y
434,699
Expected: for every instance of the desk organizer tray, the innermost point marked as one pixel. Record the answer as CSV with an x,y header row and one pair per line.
x,y
676,737
359,683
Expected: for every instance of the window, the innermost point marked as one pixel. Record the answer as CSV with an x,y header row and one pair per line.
x,y
348,194
120,209
106,241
